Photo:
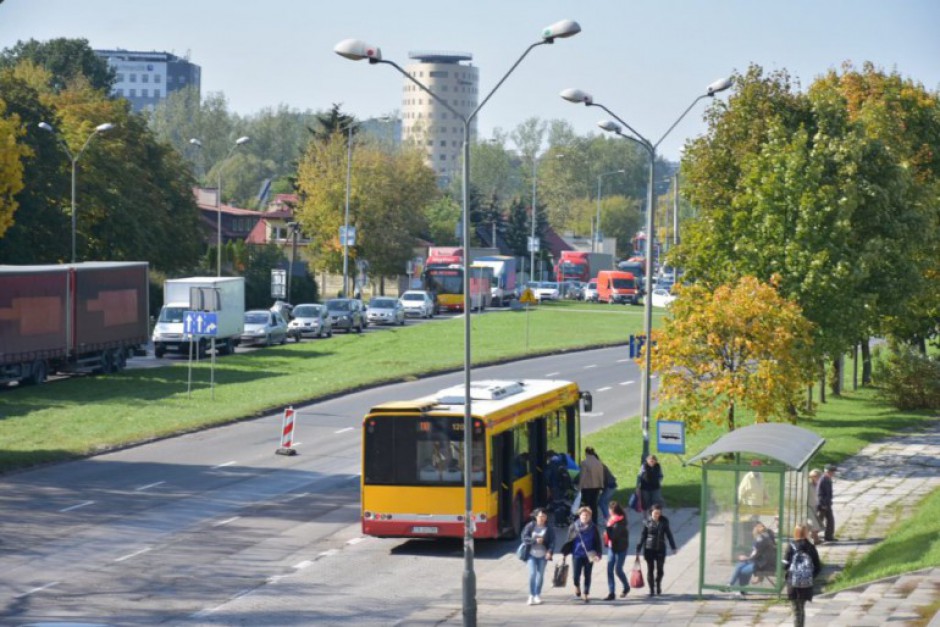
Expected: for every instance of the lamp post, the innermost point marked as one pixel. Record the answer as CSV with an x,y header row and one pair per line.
x,y
218,199
596,240
357,50
578,96
293,228
101,128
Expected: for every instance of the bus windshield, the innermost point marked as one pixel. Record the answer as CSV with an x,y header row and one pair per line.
x,y
419,450
445,280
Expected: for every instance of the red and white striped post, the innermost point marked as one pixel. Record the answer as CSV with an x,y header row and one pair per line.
x,y
287,433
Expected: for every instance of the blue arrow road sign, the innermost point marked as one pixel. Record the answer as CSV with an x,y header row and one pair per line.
x,y
200,323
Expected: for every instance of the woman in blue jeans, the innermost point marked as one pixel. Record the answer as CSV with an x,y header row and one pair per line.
x,y
584,544
540,538
761,558
618,544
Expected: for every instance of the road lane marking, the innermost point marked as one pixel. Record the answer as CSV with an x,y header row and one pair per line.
x,y
296,496
344,430
590,366
130,555
553,374
627,382
150,485
35,590
603,389
226,521
296,444
624,361
591,414
85,504
355,540
225,464
327,553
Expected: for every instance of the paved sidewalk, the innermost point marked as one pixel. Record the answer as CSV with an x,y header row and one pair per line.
x,y
887,476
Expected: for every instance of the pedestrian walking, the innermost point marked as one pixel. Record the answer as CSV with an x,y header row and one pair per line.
x,y
656,532
617,540
802,564
760,560
603,501
539,536
650,483
824,504
584,545
813,526
591,480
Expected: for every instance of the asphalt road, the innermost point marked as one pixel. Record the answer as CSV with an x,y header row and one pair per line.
x,y
214,528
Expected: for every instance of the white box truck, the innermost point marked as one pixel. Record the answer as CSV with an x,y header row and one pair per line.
x,y
169,333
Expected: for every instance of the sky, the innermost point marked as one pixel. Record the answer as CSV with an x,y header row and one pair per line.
x,y
646,61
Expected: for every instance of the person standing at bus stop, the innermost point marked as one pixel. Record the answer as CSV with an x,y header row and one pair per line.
x,y
591,481
650,482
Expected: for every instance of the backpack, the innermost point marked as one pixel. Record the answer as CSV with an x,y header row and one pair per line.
x,y
801,568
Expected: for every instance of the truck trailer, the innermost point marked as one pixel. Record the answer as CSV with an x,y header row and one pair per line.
x,y
503,288
169,334
80,317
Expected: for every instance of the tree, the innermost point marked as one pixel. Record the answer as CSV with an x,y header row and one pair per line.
x,y
64,59
742,345
11,165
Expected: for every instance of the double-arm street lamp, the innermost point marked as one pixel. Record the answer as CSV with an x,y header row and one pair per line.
x,y
357,50
596,240
218,200
101,128
578,96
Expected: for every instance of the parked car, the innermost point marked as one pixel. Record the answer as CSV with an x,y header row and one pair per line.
x,y
310,320
589,293
544,290
385,310
662,298
417,303
346,313
571,290
283,308
265,327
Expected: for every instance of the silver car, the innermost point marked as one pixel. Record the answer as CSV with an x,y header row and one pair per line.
x,y
383,310
310,320
417,303
265,327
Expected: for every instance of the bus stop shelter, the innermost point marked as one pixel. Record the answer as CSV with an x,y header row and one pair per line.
x,y
756,474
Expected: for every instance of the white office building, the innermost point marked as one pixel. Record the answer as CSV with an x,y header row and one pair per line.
x,y
425,122
146,78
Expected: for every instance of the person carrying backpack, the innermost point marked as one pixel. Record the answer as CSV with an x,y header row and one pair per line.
x,y
802,565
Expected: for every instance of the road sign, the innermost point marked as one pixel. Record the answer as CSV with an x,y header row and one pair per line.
x,y
533,244
670,436
200,323
347,235
278,283
528,297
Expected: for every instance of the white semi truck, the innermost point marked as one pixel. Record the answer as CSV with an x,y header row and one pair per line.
x,y
182,295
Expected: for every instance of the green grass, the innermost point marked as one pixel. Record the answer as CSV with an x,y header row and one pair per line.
x,y
911,544
848,423
85,415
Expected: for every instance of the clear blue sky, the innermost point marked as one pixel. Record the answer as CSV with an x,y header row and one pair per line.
x,y
644,60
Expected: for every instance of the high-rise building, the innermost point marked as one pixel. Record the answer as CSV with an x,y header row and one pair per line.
x,y
146,78
425,122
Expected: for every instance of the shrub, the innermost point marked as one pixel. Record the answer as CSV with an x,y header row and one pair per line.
x,y
909,379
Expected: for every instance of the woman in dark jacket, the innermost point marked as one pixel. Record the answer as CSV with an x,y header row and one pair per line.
x,y
618,544
799,596
653,539
584,544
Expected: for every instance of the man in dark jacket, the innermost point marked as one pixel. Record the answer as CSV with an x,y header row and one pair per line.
x,y
824,503
650,483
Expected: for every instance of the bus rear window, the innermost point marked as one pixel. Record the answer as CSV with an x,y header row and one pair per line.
x,y
419,450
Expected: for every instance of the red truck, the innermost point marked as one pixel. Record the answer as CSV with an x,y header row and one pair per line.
x,y
82,317
576,265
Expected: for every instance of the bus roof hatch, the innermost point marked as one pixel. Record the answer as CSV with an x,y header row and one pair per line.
x,y
481,391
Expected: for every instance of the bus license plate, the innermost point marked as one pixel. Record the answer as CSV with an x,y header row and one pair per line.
x,y
424,530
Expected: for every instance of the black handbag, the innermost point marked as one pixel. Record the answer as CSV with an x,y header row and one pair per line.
x,y
560,576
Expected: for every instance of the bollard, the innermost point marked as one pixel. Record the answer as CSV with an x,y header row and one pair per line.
x,y
287,433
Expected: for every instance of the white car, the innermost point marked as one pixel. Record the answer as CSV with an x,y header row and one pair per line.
x,y
589,293
417,303
662,298
384,310
544,290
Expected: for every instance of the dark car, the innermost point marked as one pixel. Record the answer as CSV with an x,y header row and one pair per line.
x,y
346,313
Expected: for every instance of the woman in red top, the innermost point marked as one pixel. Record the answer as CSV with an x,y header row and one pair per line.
x,y
617,541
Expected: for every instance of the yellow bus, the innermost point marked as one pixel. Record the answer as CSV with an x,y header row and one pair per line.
x,y
413,457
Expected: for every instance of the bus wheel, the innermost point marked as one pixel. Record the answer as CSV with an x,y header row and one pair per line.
x,y
516,516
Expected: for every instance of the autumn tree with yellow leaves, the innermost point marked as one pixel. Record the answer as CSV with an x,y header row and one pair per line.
x,y
742,345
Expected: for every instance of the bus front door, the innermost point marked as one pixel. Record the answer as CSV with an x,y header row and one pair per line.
x,y
502,478
538,449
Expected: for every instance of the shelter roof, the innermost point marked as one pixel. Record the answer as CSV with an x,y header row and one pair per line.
x,y
789,444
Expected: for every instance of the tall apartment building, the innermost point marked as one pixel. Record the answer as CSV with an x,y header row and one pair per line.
x,y
425,122
146,78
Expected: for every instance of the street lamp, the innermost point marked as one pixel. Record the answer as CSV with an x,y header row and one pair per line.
x,y
218,199
357,50
293,228
101,128
578,96
596,240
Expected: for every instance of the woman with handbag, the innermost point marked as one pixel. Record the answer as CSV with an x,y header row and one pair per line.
x,y
584,544
618,544
656,532
539,537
